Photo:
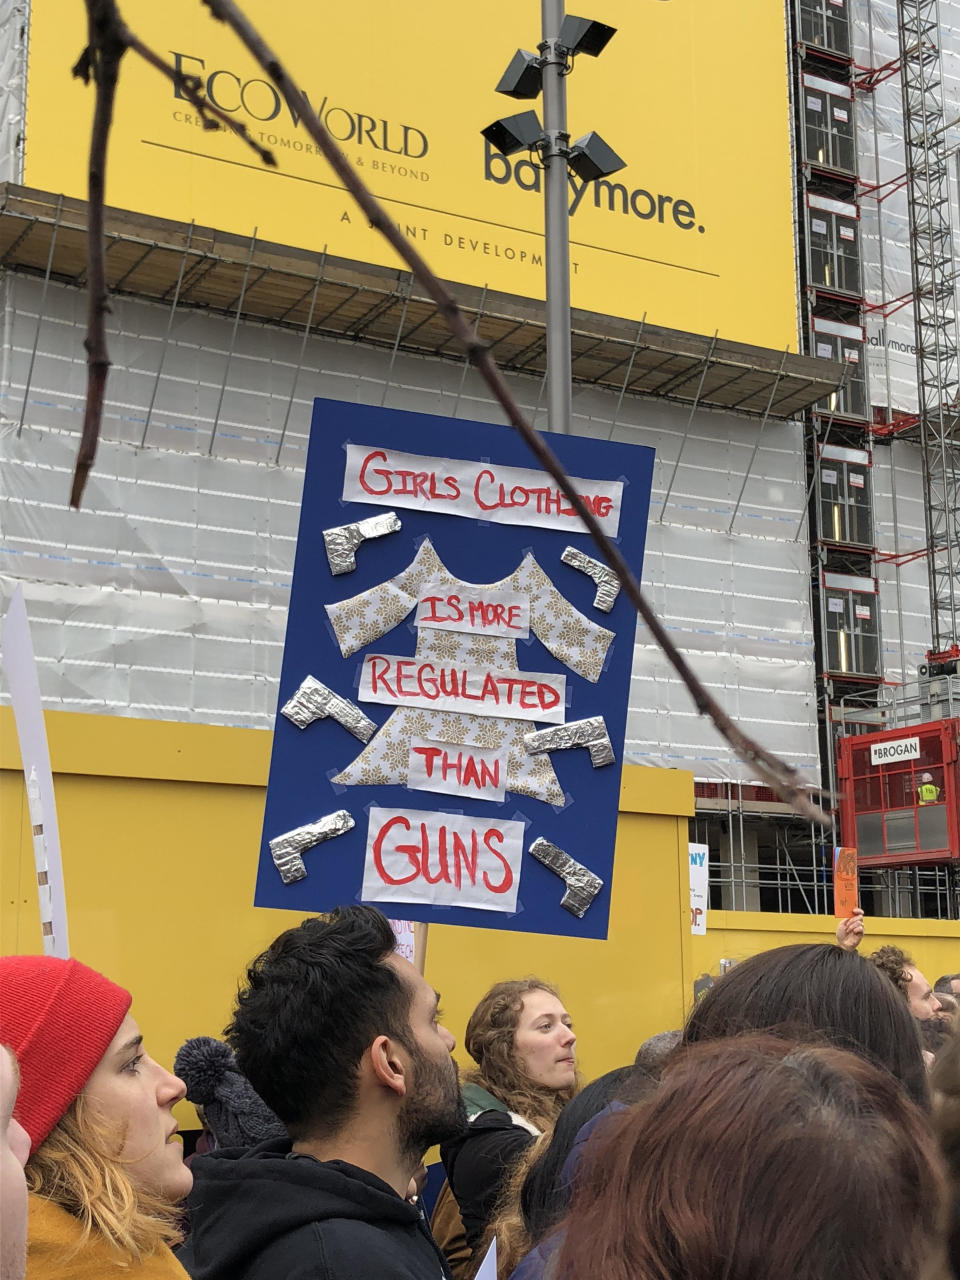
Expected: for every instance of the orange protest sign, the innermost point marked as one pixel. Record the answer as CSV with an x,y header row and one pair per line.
x,y
845,895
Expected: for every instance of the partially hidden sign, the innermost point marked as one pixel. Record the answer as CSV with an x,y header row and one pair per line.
x,y
452,702
699,887
845,892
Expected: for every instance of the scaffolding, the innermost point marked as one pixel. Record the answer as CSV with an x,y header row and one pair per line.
x,y
934,284
831,89
189,267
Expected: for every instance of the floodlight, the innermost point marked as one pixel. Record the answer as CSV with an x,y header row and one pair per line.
x,y
590,158
522,78
583,35
514,133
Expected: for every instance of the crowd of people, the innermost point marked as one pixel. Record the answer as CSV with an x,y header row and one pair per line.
x,y
804,1123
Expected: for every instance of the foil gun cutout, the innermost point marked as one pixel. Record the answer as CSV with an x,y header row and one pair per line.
x,y
591,733
287,850
314,701
608,584
341,542
582,885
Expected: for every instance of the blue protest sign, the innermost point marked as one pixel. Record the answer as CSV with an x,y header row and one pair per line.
x,y
455,678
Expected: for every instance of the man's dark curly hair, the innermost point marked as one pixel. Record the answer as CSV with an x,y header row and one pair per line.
x,y
314,1002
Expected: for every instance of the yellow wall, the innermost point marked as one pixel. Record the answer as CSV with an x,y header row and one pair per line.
x,y
160,827
934,944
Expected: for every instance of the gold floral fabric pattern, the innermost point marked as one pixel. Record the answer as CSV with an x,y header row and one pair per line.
x,y
573,639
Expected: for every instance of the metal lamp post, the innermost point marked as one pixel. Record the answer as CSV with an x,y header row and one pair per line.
x,y
556,219
563,37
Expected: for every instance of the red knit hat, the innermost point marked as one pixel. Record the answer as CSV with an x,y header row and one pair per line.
x,y
58,1017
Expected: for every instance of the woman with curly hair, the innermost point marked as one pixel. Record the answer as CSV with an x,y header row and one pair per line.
x,y
522,1040
105,1171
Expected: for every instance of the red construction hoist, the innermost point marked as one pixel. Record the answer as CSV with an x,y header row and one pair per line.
x,y
900,794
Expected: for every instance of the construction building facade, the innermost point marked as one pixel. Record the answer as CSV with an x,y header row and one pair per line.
x,y
804,539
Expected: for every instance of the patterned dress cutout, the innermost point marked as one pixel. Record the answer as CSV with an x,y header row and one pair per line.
x,y
572,638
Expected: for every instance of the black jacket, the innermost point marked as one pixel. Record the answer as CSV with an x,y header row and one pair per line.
x,y
478,1163
262,1214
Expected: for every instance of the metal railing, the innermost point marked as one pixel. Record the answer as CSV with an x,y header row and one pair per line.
x,y
899,706
761,863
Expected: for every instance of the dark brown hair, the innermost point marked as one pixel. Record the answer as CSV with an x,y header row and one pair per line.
x,y
946,1082
816,991
760,1158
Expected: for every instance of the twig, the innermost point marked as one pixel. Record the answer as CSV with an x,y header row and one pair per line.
x,y
108,39
774,771
101,60
192,86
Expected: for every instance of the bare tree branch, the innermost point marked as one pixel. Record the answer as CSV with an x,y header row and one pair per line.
x,y
192,86
101,61
780,776
108,39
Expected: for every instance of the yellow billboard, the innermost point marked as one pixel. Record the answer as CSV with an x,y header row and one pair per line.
x,y
696,233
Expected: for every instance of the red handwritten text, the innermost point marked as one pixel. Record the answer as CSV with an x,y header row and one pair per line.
x,y
473,489
451,857
517,695
489,492
463,767
478,614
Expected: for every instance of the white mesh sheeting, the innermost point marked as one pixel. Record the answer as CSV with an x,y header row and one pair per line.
x,y
166,595
268,394
904,583
740,608
738,603
881,159
13,56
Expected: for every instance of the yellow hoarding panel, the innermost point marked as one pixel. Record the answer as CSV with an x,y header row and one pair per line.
x,y
696,233
160,826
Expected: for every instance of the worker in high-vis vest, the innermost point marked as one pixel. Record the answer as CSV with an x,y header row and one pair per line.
x,y
927,792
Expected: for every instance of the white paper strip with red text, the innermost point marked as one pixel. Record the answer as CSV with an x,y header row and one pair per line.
x,y
406,939
446,859
455,770
476,490
475,690
483,611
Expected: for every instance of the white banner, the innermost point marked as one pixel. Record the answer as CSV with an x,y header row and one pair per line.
x,y
477,690
446,859
476,490
20,668
482,610
699,887
456,770
891,752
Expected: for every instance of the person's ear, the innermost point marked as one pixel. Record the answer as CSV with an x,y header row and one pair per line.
x,y
389,1065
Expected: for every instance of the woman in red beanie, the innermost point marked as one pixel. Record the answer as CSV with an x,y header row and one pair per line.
x,y
105,1172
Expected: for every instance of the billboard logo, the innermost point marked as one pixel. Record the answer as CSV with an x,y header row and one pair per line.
x,y
612,197
260,100
891,752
